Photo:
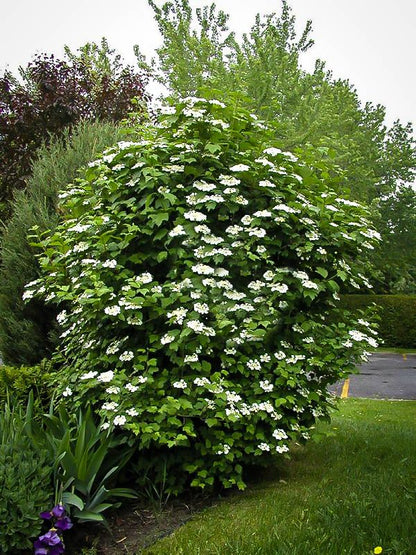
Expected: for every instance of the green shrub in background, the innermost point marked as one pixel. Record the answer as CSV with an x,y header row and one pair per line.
x,y
27,331
25,481
18,381
397,325
197,270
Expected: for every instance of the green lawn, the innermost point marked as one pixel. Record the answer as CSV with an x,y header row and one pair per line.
x,y
345,494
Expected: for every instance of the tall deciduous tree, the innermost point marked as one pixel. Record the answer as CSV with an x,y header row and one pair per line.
x,y
313,111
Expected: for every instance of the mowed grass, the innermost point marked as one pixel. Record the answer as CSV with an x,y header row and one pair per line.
x,y
345,494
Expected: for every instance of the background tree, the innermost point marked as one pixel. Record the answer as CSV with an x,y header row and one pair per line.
x,y
27,330
53,94
366,159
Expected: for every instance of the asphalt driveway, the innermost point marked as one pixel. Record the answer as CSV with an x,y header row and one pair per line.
x,y
384,376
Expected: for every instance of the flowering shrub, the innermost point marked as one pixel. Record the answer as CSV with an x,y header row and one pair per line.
x,y
198,271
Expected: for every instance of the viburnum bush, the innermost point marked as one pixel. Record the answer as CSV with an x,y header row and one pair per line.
x,y
198,272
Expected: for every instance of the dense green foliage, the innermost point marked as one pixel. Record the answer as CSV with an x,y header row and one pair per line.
x,y
25,481
313,111
198,270
27,331
18,381
397,326
52,95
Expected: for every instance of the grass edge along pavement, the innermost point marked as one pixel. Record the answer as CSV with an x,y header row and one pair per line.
x,y
346,493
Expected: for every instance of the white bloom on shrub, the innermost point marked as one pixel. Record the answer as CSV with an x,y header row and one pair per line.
x,y
178,315
246,220
264,162
307,284
279,287
272,151
194,216
105,425
230,191
229,180
261,249
221,272
144,278
266,385
196,326
220,123
197,114
203,269
263,214
265,358
88,375
308,340
177,231
109,263
204,186
202,228
167,338
280,355
267,183
239,168
233,230
201,381
113,390
234,295
131,387
202,308
173,168
191,358
331,207
256,285
81,247
112,310
263,447
67,392
126,356
110,406
225,449
253,364
79,228
282,448
321,250
181,384
232,397
167,110
279,434
215,102
132,412
285,208
112,349
106,376
119,420
257,232
241,200
212,239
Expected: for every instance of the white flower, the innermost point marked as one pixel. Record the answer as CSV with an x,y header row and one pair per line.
x,y
178,315
191,358
282,448
203,269
119,420
239,168
132,412
109,263
233,229
229,180
273,151
167,110
144,278
176,231
309,284
254,365
196,326
126,356
194,216
201,381
202,308
105,426
232,397
221,272
204,186
131,387
110,406
266,385
255,285
263,214
225,450
246,220
113,390
112,310
263,447
279,287
181,384
280,355
166,339
27,295
67,392
267,183
264,162
88,375
106,376
257,232
279,434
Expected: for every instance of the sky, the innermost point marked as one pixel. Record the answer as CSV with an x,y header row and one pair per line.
x,y
369,42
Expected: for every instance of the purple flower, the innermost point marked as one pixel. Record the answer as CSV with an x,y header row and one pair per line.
x,y
40,548
50,538
58,511
63,523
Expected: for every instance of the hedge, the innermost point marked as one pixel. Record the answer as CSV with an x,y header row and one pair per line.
x,y
397,326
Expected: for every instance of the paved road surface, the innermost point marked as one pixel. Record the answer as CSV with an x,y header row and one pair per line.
x,y
384,376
